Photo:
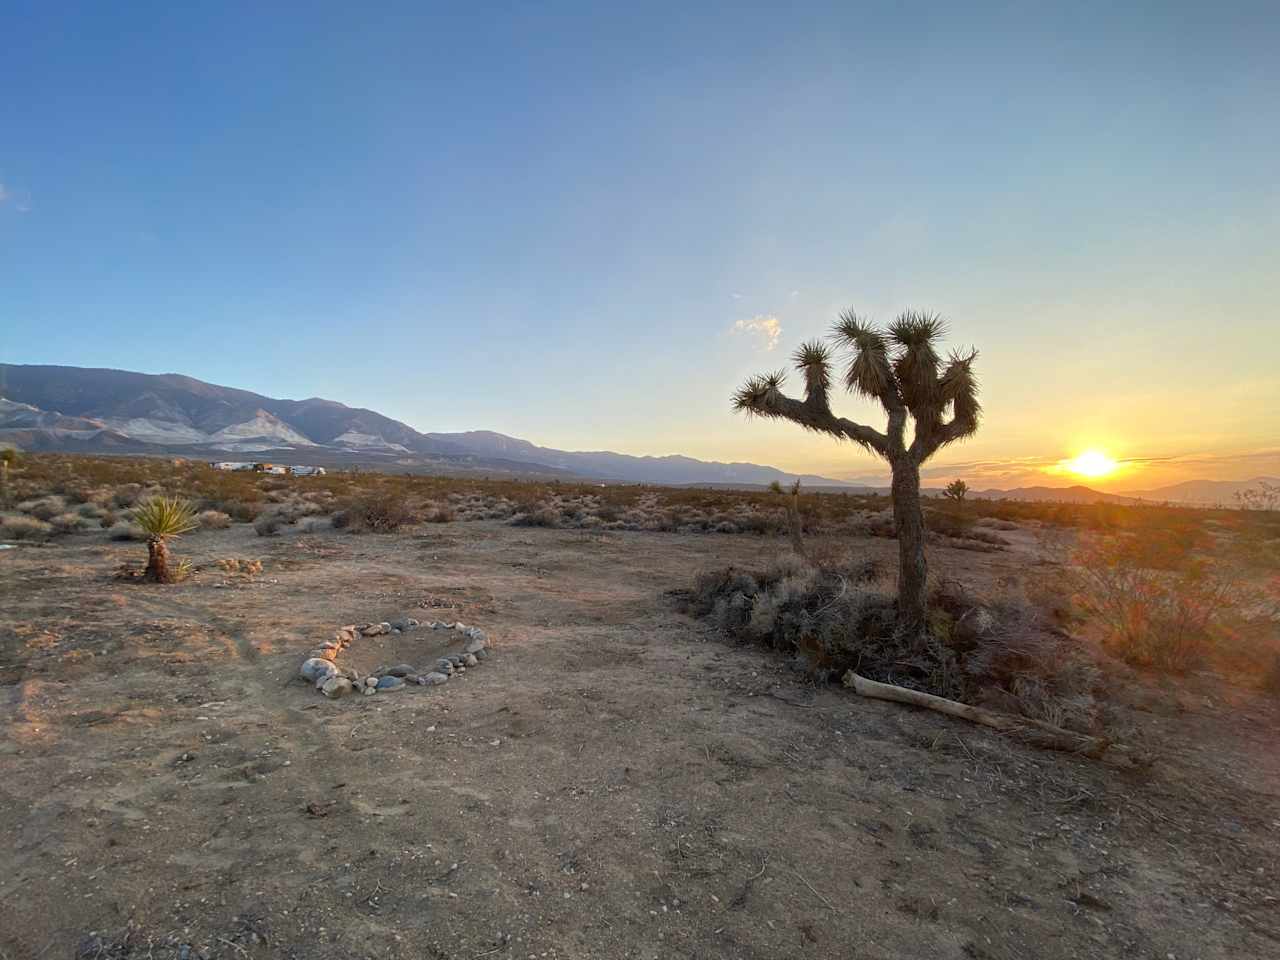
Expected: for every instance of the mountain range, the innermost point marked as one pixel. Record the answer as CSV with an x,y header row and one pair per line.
x,y
89,410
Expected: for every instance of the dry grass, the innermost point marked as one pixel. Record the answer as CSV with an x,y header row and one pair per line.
x,y
17,526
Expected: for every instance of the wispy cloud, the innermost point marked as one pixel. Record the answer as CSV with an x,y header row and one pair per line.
x,y
765,326
21,201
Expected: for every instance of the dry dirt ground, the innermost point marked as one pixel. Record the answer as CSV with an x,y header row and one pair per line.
x,y
612,782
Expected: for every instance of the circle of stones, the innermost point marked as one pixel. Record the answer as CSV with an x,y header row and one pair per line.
x,y
321,669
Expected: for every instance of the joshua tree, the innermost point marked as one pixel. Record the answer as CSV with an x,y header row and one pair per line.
x,y
8,457
794,520
161,519
1265,497
900,369
956,490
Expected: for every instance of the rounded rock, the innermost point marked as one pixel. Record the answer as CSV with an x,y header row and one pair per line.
x,y
400,670
316,668
470,660
336,687
433,678
390,683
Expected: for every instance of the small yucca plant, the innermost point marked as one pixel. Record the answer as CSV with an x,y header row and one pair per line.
x,y
162,518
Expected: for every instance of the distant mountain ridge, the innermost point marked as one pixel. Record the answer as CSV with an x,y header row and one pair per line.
x,y
1207,493
170,409
87,410
1072,494
622,466
92,410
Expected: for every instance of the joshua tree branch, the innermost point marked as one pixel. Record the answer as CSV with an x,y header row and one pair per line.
x,y
761,397
957,428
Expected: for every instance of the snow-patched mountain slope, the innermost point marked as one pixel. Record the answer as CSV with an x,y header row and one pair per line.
x,y
262,426
368,441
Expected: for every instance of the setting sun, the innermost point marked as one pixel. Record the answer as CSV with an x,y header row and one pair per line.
x,y
1091,463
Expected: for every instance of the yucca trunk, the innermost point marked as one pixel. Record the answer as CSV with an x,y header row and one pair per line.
x,y
908,522
797,525
158,560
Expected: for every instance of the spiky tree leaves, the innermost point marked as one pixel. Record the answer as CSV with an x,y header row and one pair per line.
x,y
161,519
900,368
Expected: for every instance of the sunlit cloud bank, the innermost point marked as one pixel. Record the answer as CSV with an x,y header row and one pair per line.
x,y
765,327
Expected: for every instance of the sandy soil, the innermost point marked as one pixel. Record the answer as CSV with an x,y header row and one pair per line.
x,y
612,782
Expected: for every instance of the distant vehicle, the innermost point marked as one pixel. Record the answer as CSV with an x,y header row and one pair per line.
x,y
273,468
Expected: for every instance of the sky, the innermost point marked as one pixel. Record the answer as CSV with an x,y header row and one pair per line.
x,y
584,225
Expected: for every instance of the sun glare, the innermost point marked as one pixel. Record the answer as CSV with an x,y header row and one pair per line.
x,y
1091,463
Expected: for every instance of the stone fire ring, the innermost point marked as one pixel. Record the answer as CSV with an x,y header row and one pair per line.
x,y
321,667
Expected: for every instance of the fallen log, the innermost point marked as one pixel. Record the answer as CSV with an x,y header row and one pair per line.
x,y
1034,731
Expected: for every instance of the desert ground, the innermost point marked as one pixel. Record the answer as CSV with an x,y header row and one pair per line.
x,y
615,780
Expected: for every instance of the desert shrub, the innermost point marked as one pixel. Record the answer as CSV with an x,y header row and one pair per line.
x,y
268,523
378,511
240,510
69,522
545,516
995,523
91,511
45,508
833,617
17,526
214,520
1153,609
238,565
313,524
440,513
127,494
126,530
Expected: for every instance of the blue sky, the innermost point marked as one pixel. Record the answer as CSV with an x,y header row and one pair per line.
x,y
548,219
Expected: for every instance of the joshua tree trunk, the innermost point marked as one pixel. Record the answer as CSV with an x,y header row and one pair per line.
x,y
908,521
158,561
797,527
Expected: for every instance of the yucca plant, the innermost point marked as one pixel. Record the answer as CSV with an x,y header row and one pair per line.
x,y
161,519
956,491
898,367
